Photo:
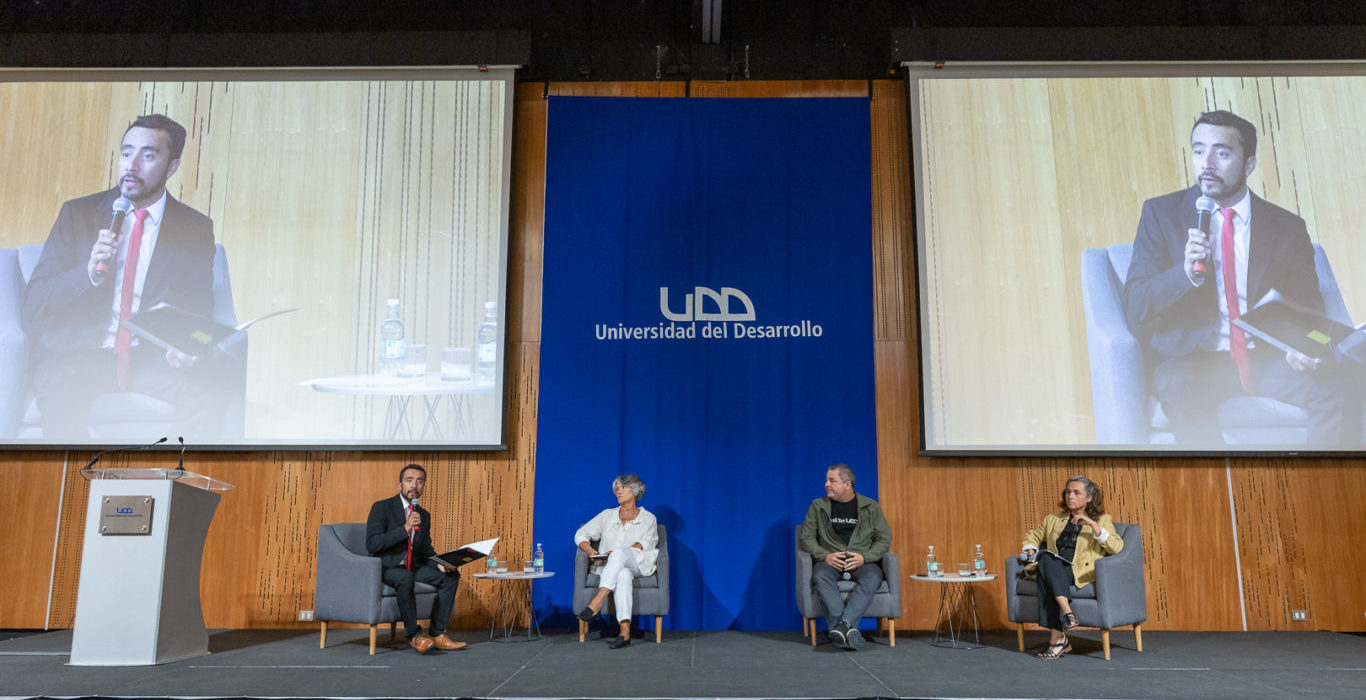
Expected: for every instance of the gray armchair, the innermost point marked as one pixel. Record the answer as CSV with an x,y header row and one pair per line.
x,y
886,605
1125,412
132,413
348,587
1117,598
649,594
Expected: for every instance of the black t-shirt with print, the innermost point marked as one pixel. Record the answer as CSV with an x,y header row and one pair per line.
x,y
844,518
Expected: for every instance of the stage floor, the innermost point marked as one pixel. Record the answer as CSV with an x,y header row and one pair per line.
x,y
288,663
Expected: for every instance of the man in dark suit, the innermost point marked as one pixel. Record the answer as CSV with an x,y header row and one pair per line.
x,y
83,287
1183,283
399,532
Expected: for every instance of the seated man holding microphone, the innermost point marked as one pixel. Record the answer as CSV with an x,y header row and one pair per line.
x,y
846,536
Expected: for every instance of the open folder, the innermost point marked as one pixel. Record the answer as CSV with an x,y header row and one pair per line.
x,y
465,554
189,333
1289,326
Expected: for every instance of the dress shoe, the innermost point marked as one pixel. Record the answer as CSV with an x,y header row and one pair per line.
x,y
587,615
421,643
619,642
444,642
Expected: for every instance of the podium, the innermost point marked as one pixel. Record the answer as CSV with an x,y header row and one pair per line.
x,y
138,600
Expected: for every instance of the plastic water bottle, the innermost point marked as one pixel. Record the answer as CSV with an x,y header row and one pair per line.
x,y
932,564
486,350
490,563
979,562
391,342
538,560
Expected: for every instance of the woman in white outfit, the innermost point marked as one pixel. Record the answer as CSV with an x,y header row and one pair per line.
x,y
629,537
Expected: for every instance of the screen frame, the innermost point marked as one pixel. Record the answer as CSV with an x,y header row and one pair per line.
x,y
501,73
915,71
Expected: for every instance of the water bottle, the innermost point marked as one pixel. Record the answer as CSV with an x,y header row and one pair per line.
x,y
391,342
538,560
932,564
486,348
490,563
979,562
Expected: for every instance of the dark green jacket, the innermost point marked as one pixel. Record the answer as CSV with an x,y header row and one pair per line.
x,y
872,538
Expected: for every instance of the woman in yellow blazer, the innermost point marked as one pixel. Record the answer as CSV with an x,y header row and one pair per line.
x,y
1073,539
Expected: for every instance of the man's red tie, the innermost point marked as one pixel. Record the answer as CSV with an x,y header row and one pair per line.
x,y
1237,342
408,560
123,340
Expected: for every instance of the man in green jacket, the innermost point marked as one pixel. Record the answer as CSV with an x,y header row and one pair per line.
x,y
846,536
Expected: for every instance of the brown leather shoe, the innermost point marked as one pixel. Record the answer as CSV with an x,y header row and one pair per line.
x,y
444,642
422,643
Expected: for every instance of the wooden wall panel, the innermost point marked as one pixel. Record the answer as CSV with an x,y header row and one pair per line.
x,y
29,507
1294,517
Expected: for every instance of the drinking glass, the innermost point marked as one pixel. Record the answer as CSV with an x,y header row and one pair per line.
x,y
964,568
414,360
457,364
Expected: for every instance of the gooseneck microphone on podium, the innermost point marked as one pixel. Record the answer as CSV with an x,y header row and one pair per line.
x,y
121,208
1204,213
102,453
181,467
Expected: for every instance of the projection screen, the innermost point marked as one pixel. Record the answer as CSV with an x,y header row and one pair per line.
x,y
330,198
1059,307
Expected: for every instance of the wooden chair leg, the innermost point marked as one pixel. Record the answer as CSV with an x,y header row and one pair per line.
x,y
373,628
1019,635
583,629
806,628
659,628
1105,643
322,640
891,632
393,632
812,622
1138,636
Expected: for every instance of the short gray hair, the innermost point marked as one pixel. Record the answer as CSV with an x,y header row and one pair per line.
x,y
846,474
630,481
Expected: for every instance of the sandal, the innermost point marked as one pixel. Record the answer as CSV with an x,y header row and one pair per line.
x,y
1054,651
1069,620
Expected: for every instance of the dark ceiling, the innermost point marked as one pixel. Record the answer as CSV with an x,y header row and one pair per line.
x,y
642,39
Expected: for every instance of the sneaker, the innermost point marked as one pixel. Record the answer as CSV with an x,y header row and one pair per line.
x,y
853,639
837,633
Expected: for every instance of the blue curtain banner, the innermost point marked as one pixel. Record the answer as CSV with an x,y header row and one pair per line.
x,y
707,325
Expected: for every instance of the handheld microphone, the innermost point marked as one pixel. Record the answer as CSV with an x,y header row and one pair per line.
x,y
1204,213
102,453
121,208
412,536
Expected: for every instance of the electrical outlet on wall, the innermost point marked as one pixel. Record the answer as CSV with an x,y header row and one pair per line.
x,y
1299,615
305,616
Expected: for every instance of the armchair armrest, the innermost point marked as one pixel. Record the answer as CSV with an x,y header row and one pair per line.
x,y
803,580
662,575
580,578
1121,592
348,585
891,573
1118,386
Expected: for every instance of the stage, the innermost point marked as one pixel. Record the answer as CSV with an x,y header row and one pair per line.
x,y
288,664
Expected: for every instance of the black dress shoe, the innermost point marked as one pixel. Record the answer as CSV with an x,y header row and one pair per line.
x,y
587,615
619,642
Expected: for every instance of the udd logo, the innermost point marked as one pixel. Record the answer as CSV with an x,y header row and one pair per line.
x,y
694,305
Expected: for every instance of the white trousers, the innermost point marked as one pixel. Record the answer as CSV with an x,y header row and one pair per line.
x,y
617,576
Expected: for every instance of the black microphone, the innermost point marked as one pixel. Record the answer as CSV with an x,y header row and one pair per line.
x,y
1204,213
102,453
121,208
181,467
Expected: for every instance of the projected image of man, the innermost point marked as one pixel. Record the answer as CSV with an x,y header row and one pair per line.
x,y
1185,285
847,537
90,278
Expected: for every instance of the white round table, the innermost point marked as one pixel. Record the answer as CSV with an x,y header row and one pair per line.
x,y
512,600
400,391
956,599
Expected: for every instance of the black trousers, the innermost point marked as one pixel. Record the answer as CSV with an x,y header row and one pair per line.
x,y
1191,387
65,385
1054,577
405,581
